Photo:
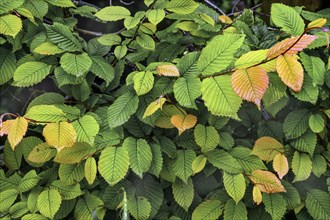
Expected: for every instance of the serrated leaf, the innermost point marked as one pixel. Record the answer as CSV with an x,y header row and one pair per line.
x,y
317,204
280,165
250,84
290,71
74,154
198,164
123,107
291,195
235,211
266,181
30,73
266,148
319,165
41,153
71,173
7,6
143,82
186,90
113,13
120,51
76,64
234,185
315,68
183,122
309,91
7,198
275,205
256,194
18,209
66,191
154,106
101,68
49,202
219,96
250,59
316,123
296,123
181,6
206,137
60,135
183,193
86,128
48,48
110,39
139,207
89,207
209,209
219,53
29,181
155,15
157,160
62,3
224,161
10,25
146,42
301,166
246,160
113,164
90,170
164,119
17,130
182,165
167,70
7,65
287,19
318,23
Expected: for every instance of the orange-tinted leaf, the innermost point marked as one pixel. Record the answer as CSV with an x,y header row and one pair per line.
x,y
154,106
318,23
256,195
266,181
290,71
183,122
59,135
250,84
266,148
5,126
168,70
225,19
294,43
280,165
17,130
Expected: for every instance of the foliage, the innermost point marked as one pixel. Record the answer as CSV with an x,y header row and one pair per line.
x,y
185,113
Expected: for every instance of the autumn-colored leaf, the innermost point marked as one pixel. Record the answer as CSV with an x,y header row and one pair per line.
x,y
290,45
266,148
17,131
183,122
225,19
250,84
154,106
290,71
269,66
318,23
256,195
59,135
280,165
168,70
5,127
266,181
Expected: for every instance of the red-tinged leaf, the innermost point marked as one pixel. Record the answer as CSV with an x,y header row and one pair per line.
x,y
266,148
183,122
256,195
266,181
318,23
280,165
17,131
5,127
290,45
290,71
168,70
250,84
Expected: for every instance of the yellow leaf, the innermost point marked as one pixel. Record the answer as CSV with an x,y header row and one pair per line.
x,y
266,181
154,106
164,119
59,135
250,84
266,148
17,130
280,165
168,70
318,23
183,122
90,170
256,194
269,66
5,127
225,19
198,164
290,71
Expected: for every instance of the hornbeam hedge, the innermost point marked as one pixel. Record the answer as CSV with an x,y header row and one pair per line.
x,y
185,113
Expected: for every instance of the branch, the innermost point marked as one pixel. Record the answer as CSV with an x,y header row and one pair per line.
x,y
79,3
126,3
93,33
214,6
240,12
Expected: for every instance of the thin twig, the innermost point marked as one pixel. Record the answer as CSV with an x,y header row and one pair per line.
x,y
93,33
110,2
79,3
233,9
240,12
126,3
214,6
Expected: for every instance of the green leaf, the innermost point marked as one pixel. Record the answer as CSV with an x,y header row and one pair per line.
x,y
250,59
120,51
76,64
301,166
74,154
10,25
113,13
157,160
101,68
183,193
49,202
71,173
7,198
224,161
275,205
48,98
155,15
207,137
140,155
319,165
317,204
186,90
235,211
48,48
187,65
90,170
296,123
143,82
67,192
86,128
123,107
7,6
12,158
246,160
291,195
198,164
38,8
131,22
306,142
182,6
61,3
287,18
18,209
209,209
314,66
7,65
219,96
89,207
316,123
110,39
41,153
182,165
308,93
139,207
113,164
219,53
29,181
234,185
34,217
146,42
30,73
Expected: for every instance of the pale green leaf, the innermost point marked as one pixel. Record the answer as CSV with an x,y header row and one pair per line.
x,y
209,209
181,6
90,170
275,205
86,128
101,68
316,123
7,6
146,42
110,39
120,51
18,209
234,185
155,15
139,207
198,164
48,48
62,3
7,65
29,181
113,13
74,154
143,82
7,198
49,202
183,193
319,165
206,137
250,59
10,25
235,211
30,73
76,64
224,161
301,166
67,192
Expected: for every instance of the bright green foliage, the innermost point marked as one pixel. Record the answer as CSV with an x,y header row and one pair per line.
x,y
174,111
